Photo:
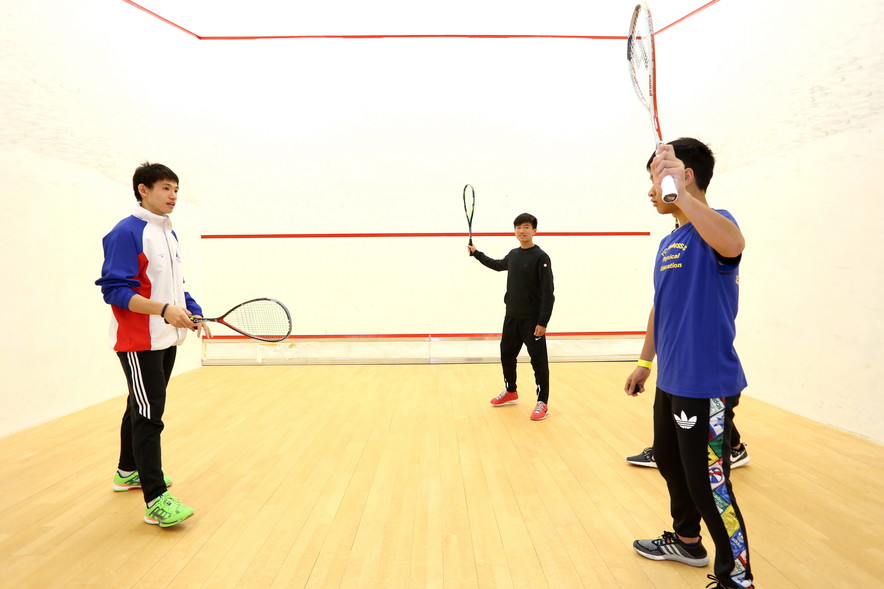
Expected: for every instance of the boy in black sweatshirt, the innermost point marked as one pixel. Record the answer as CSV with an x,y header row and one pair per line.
x,y
529,301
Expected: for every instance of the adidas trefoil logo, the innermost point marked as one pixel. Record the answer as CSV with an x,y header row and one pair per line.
x,y
684,421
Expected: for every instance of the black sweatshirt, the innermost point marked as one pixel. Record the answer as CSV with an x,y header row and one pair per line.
x,y
529,283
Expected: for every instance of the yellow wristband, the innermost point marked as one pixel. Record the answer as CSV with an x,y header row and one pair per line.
x,y
645,363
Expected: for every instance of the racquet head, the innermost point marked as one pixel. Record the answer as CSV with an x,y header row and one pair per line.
x,y
640,56
469,207
267,320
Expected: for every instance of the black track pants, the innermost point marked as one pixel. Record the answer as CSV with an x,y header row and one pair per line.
x,y
147,374
518,332
692,451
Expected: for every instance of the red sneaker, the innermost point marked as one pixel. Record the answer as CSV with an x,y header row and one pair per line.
x,y
505,398
540,411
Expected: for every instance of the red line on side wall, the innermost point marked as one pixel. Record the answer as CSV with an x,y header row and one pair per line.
x,y
165,20
342,235
672,24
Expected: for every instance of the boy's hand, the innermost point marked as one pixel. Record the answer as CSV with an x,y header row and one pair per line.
x,y
177,316
635,384
472,249
202,328
666,164
539,331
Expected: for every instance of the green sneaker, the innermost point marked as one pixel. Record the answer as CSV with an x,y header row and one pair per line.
x,y
132,481
166,511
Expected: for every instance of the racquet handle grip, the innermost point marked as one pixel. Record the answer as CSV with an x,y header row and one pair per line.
x,y
670,192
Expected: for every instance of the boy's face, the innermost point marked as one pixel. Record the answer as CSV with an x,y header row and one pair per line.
x,y
525,233
160,198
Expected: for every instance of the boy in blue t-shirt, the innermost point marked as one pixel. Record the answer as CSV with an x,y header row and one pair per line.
x,y
691,331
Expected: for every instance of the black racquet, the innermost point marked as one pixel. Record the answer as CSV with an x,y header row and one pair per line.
x,y
267,320
469,207
641,57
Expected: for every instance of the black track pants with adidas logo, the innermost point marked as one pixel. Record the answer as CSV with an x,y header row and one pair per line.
x,y
692,451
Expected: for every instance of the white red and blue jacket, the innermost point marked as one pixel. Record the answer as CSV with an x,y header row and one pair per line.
x,y
141,256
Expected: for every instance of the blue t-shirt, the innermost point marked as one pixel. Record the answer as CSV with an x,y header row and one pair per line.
x,y
696,294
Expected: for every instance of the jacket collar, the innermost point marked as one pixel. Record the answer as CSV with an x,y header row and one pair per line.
x,y
146,215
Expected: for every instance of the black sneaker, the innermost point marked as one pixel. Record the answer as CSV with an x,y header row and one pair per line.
x,y
739,456
646,458
669,547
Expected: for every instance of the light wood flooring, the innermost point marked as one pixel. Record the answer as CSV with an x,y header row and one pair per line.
x,y
405,477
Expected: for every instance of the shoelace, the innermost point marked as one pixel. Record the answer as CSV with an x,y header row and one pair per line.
x,y
170,501
666,538
539,407
503,394
716,584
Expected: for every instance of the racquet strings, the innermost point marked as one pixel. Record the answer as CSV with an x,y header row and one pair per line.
x,y
265,319
640,53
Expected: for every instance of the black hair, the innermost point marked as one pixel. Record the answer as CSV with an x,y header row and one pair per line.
x,y
697,156
149,174
526,218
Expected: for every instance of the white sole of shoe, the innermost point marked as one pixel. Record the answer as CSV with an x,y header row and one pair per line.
x,y
645,464
740,463
694,562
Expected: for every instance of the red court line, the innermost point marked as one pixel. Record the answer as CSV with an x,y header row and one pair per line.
x,y
452,36
165,20
347,235
435,335
461,36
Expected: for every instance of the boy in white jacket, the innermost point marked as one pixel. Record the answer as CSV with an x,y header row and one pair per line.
x,y
141,280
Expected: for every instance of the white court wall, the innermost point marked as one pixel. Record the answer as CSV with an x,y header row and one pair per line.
x,y
793,103
314,136
55,356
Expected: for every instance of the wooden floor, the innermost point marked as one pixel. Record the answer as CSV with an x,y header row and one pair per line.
x,y
405,477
